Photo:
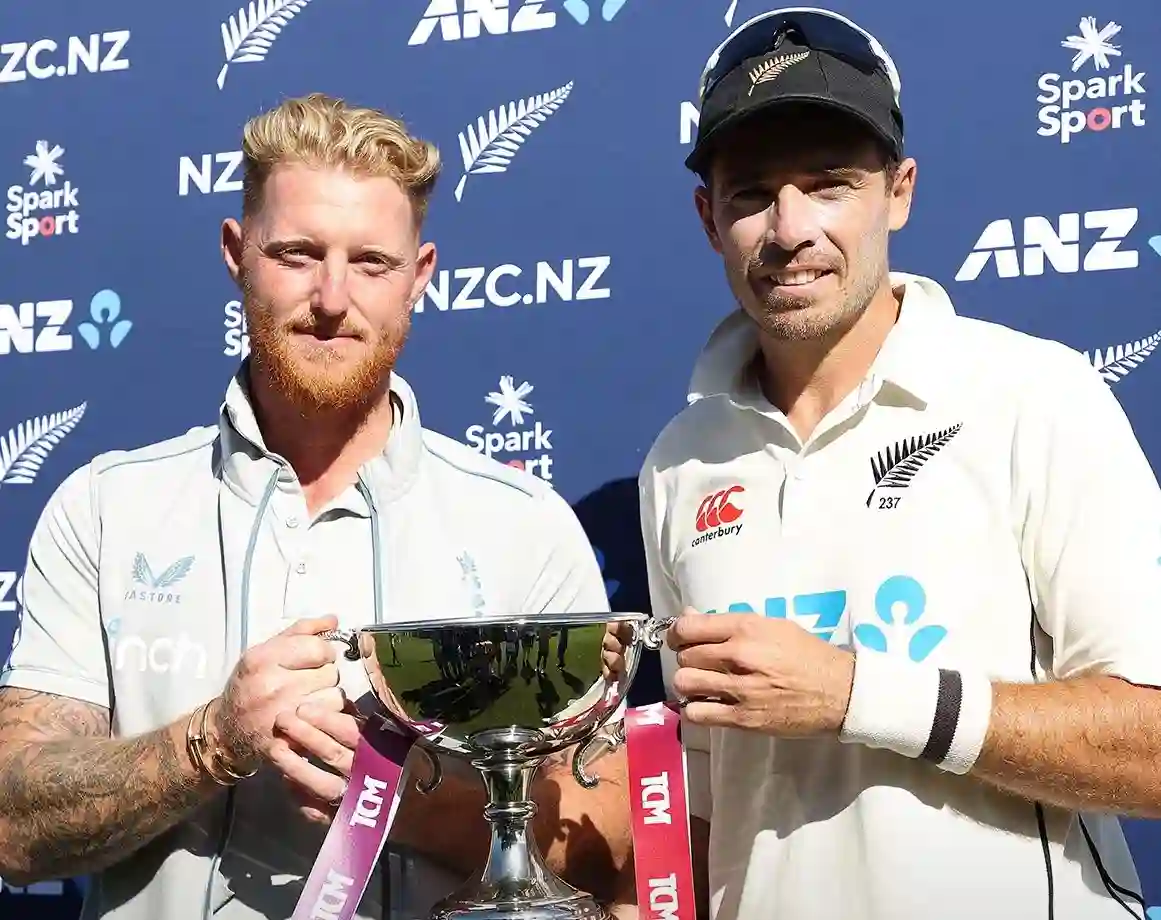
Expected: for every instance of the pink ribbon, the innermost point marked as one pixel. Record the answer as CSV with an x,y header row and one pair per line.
x,y
658,799
352,846
660,808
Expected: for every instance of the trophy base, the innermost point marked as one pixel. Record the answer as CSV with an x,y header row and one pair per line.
x,y
579,907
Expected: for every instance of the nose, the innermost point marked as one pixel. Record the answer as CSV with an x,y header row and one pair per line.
x,y
791,221
331,297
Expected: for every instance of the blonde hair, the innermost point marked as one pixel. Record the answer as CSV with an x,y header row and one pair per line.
x,y
322,131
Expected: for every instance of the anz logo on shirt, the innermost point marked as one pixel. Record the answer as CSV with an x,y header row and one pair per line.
x,y
898,626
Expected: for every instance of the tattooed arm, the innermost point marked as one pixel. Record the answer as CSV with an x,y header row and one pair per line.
x,y
73,800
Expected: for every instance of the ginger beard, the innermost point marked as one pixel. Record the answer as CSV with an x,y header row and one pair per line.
x,y
316,376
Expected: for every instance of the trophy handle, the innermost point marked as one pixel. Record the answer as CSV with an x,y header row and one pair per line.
x,y
613,739
653,632
348,637
428,786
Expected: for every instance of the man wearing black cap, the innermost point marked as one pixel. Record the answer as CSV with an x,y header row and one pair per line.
x,y
929,545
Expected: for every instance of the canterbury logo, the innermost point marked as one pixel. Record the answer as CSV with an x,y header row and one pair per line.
x,y
489,145
774,68
25,448
717,509
1115,362
895,467
248,34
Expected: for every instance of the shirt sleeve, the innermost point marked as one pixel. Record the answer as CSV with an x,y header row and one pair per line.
x,y
567,576
665,601
59,644
1091,537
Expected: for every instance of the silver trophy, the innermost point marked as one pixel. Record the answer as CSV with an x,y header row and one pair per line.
x,y
504,693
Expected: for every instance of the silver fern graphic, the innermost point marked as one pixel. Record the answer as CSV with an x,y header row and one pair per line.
x,y
774,68
489,145
1117,360
248,34
24,449
895,467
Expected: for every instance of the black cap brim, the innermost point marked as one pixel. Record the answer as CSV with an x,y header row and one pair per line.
x,y
698,158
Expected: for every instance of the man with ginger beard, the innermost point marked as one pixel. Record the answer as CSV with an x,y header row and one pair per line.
x,y
190,580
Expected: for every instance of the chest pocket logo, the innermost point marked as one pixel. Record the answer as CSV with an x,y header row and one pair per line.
x,y
896,466
157,589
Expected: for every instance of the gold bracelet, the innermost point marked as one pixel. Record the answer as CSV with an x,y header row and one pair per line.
x,y
204,759
216,755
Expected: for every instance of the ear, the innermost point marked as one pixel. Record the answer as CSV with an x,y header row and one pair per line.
x,y
703,201
232,248
901,193
424,270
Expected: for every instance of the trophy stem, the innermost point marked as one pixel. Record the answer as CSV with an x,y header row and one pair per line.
x,y
516,883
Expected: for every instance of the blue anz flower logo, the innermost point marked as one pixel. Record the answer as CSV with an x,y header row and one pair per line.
x,y
900,604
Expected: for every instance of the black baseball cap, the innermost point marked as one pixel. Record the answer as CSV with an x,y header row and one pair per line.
x,y
798,55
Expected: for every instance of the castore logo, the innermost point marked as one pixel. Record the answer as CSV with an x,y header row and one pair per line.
x,y
154,588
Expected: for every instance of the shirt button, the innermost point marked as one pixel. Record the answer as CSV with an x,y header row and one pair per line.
x,y
300,568
292,522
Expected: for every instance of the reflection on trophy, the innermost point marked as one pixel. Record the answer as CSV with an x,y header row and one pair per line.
x,y
504,693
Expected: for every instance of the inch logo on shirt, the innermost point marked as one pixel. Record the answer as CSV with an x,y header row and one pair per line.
x,y
900,605
896,466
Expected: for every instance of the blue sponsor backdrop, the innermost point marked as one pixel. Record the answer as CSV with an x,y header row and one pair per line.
x,y
574,287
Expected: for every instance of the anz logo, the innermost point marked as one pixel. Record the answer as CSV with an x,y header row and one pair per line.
x,y
898,626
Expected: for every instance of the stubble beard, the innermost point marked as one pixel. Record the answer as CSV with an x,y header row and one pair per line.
x,y
320,384
800,319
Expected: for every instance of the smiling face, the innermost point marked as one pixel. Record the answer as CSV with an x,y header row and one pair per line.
x,y
331,266
800,204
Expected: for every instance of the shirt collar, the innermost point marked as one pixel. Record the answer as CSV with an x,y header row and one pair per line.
x,y
908,358
247,464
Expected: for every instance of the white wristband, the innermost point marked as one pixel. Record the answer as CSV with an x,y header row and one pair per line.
x,y
918,711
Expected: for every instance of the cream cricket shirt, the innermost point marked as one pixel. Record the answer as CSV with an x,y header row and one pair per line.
x,y
151,570
980,503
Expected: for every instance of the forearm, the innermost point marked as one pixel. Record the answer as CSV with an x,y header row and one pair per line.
x,y
579,831
73,807
1083,744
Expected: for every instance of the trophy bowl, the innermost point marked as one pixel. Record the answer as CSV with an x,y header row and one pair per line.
x,y
504,693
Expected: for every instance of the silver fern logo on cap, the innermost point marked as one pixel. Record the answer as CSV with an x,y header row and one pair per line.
x,y
489,145
774,68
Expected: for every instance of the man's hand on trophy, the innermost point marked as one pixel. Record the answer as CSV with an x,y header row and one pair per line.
x,y
618,636
327,735
767,675
294,667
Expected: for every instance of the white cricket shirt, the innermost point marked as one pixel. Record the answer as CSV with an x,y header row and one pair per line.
x,y
1021,541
